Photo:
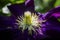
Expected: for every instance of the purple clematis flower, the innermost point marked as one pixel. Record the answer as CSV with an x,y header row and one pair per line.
x,y
48,22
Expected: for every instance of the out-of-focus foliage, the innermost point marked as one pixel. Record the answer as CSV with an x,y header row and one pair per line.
x,y
43,5
57,3
3,3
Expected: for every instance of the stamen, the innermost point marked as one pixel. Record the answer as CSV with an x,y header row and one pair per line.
x,y
29,21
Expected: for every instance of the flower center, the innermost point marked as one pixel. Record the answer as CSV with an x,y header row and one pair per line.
x,y
28,21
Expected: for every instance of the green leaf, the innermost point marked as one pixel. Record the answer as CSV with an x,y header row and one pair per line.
x,y
57,3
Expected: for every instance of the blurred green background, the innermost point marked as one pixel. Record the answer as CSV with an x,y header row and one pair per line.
x,y
45,5
40,5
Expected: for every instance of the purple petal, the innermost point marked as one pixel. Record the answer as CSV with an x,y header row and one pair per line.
x,y
7,22
52,27
57,15
52,24
29,5
19,9
27,1
53,12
